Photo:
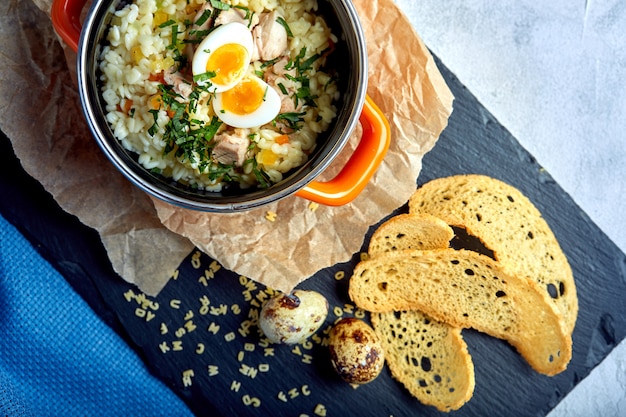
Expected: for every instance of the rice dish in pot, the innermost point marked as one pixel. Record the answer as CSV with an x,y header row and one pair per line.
x,y
216,94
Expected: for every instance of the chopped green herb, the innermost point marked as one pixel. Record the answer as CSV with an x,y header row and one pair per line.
x,y
291,119
194,96
261,176
308,64
155,126
304,93
190,139
206,14
204,77
196,36
302,66
284,24
174,42
168,23
269,63
220,5
217,171
180,59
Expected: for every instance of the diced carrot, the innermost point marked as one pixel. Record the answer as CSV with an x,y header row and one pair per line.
x,y
155,102
125,105
282,139
158,77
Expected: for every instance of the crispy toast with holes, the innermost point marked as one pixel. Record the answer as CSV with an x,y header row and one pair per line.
x,y
410,231
467,290
508,224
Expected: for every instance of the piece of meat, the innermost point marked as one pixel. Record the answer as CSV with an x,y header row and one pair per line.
x,y
278,70
236,15
270,38
287,104
180,84
231,149
229,16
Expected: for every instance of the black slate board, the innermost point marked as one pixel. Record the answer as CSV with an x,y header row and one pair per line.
x,y
220,366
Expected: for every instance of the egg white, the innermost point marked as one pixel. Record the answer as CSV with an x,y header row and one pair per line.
x,y
233,32
265,113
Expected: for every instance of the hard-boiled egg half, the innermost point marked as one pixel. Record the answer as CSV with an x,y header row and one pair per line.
x,y
250,103
240,101
226,53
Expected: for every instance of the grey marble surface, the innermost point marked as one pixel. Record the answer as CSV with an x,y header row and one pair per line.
x,y
553,74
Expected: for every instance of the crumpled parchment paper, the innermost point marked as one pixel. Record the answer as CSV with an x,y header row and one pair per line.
x,y
146,239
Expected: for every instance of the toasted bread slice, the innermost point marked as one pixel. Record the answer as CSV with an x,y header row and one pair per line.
x,y
428,357
508,224
466,289
410,231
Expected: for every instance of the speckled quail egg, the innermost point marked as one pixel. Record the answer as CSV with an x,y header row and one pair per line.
x,y
355,351
225,54
292,318
250,103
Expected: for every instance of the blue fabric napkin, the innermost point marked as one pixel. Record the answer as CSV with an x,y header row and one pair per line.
x,y
57,358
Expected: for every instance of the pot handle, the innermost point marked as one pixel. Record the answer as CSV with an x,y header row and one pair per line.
x,y
65,16
355,175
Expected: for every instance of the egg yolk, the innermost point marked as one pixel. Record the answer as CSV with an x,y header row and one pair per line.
x,y
227,62
244,98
